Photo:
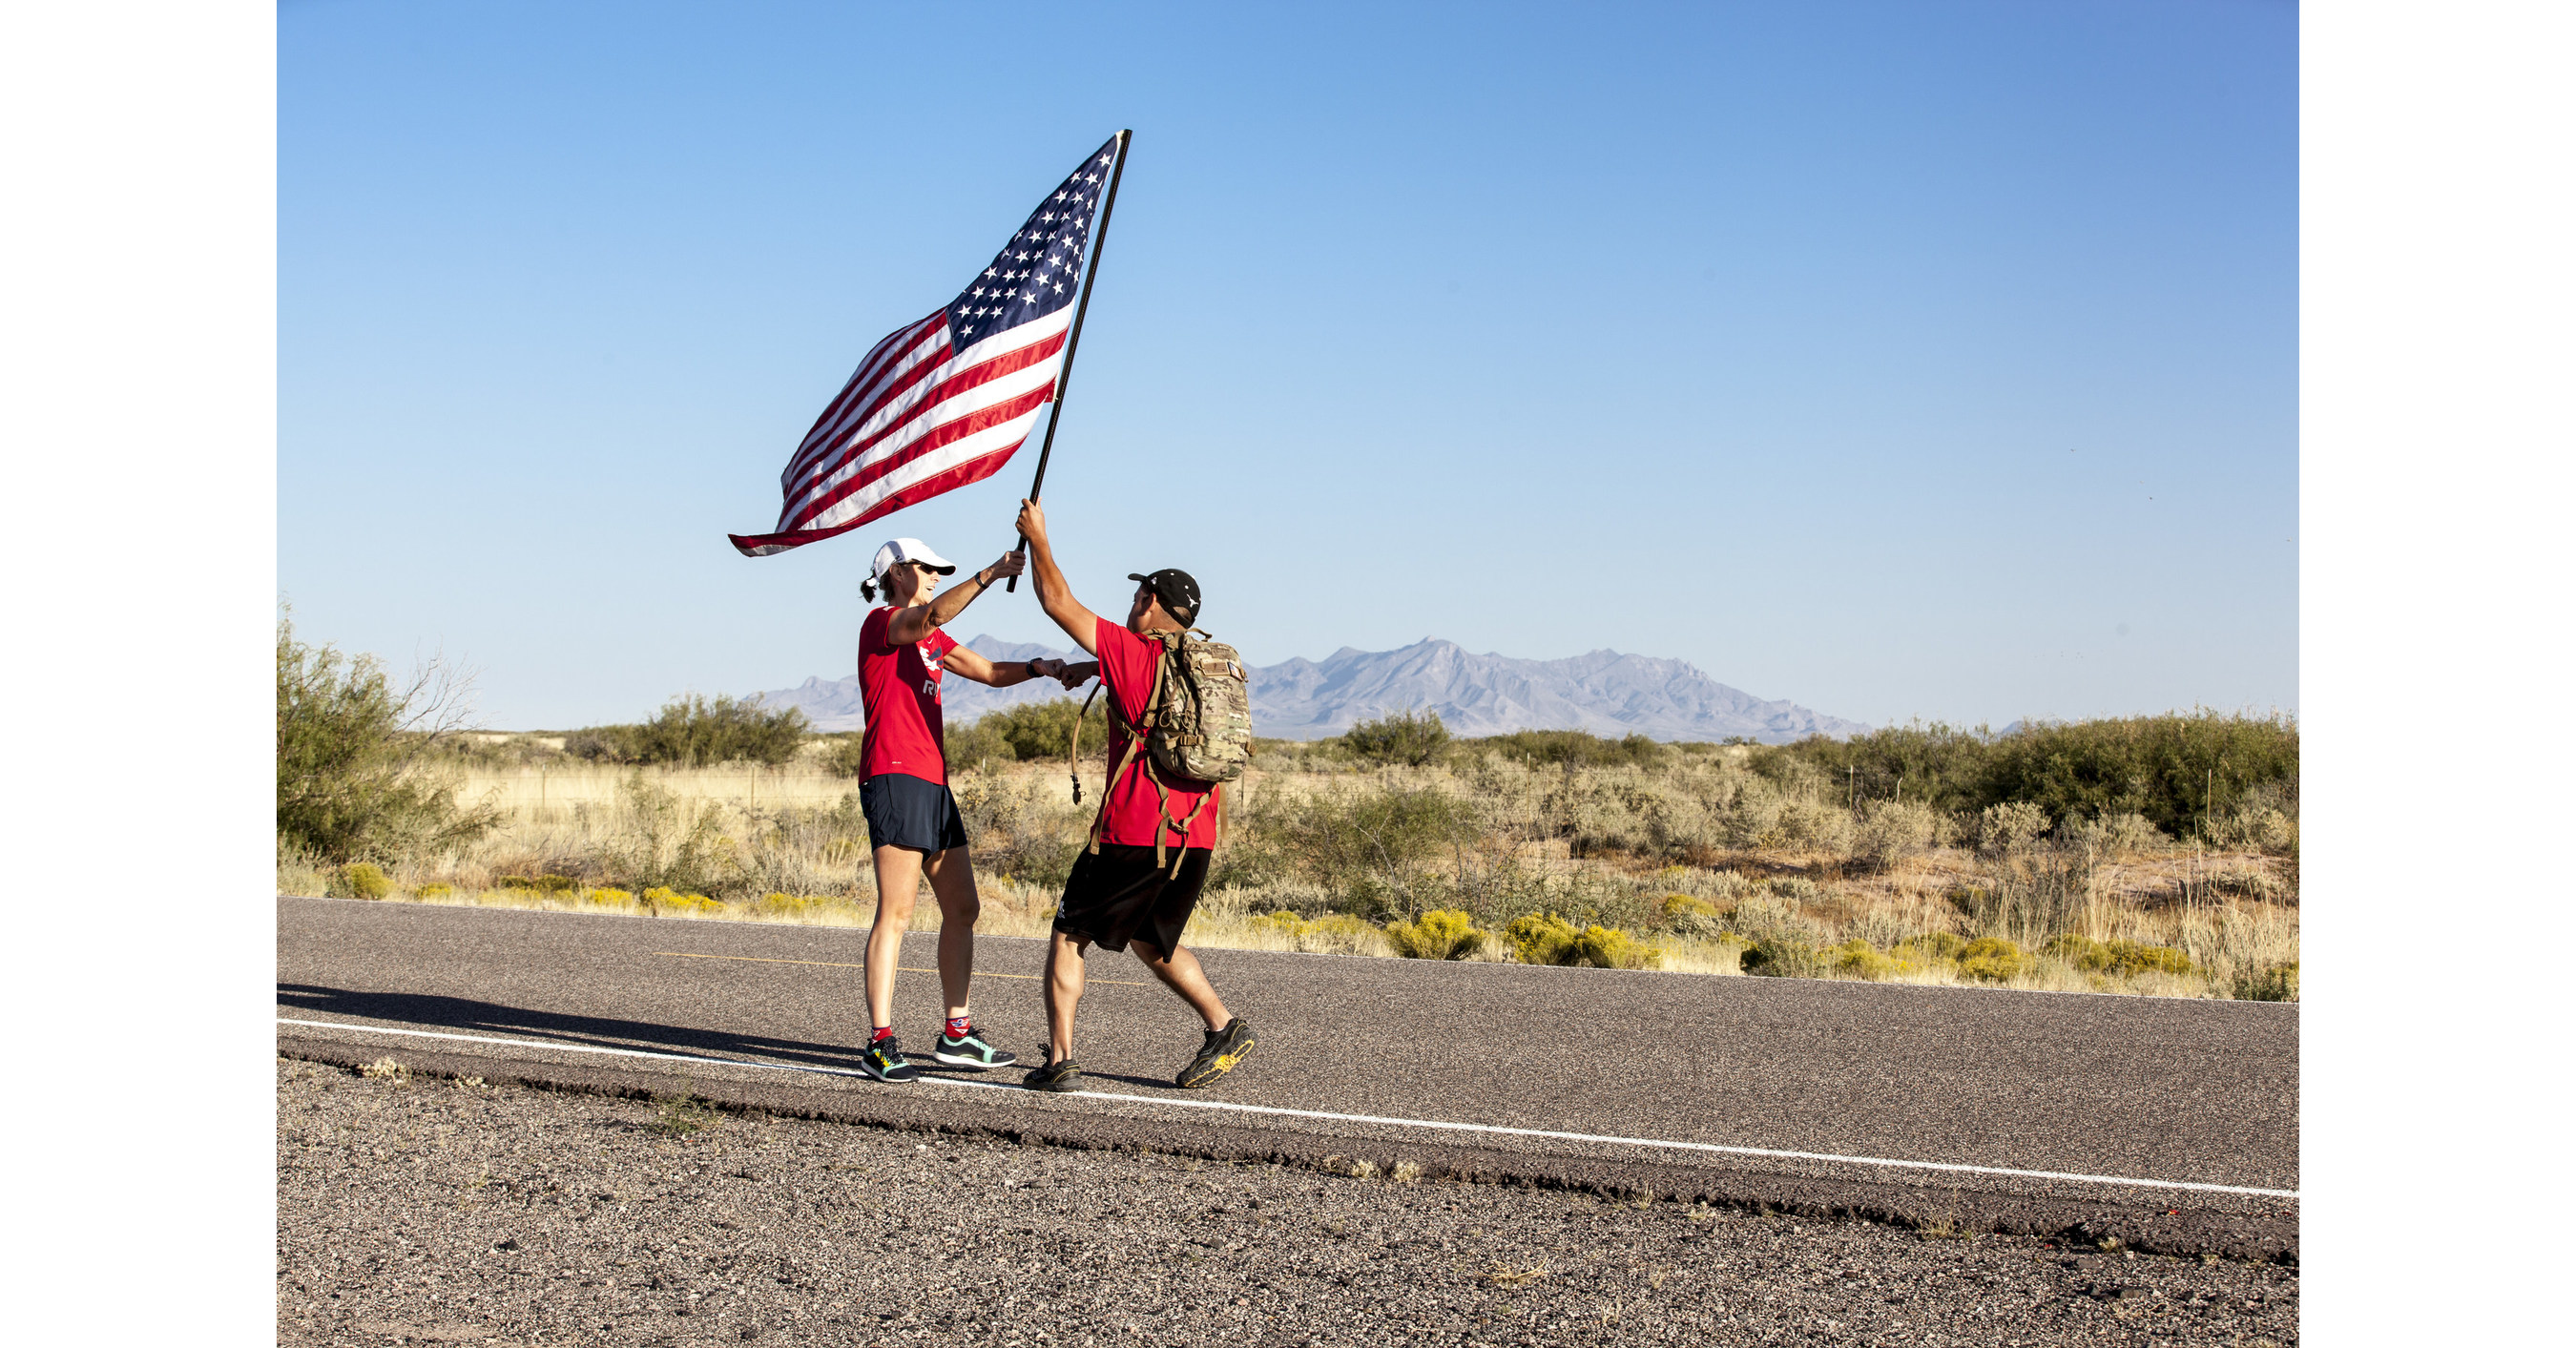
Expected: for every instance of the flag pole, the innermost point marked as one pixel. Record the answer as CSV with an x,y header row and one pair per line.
x,y
1073,341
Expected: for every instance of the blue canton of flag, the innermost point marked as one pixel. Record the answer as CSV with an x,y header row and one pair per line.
x,y
1038,271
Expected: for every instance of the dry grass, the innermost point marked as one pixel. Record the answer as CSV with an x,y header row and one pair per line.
x,y
1693,865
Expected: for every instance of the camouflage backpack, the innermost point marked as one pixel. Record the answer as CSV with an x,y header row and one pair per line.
x,y
1197,724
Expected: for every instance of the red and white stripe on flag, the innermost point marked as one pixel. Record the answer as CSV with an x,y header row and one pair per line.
x,y
944,402
917,419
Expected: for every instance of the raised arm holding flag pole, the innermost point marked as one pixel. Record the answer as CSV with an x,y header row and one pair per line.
x,y
1099,239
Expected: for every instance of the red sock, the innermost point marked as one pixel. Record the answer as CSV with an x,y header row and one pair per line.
x,y
883,1032
960,1026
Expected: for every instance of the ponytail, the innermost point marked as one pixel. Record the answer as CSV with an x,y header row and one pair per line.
x,y
868,590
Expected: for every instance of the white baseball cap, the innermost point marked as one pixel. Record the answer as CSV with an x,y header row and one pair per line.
x,y
901,550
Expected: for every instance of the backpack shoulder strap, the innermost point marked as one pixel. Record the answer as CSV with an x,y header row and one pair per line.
x,y
1073,755
1135,746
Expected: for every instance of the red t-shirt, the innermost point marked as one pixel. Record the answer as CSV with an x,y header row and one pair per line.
x,y
899,690
1135,809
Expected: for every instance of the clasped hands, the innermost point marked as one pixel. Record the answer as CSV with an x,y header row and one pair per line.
x,y
1059,671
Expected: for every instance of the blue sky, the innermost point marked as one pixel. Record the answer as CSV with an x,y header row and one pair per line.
x,y
1901,360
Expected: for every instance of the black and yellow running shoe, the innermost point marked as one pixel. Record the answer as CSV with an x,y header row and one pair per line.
x,y
1055,1076
884,1061
1218,1055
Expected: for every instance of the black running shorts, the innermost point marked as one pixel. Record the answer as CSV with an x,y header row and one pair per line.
x,y
1118,894
906,811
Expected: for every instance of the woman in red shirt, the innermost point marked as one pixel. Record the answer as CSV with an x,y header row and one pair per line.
x,y
913,823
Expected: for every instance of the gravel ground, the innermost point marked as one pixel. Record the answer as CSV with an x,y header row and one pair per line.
x,y
429,1211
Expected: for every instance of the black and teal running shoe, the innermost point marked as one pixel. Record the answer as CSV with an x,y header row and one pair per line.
x,y
970,1051
884,1061
1218,1055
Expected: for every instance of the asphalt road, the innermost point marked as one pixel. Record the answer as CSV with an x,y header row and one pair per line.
x,y
2085,1090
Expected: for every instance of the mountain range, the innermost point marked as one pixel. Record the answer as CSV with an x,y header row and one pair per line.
x,y
1605,692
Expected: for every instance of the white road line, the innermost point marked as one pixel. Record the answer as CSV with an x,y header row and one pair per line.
x,y
1441,1124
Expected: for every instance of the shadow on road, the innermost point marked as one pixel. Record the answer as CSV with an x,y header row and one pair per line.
x,y
430,1012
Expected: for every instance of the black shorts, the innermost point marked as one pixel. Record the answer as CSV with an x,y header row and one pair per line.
x,y
1122,893
906,811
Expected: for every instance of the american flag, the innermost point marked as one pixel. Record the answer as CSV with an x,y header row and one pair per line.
x,y
943,402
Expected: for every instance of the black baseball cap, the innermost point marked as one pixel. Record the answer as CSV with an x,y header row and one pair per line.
x,y
1179,593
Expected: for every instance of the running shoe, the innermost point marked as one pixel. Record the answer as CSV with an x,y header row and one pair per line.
x,y
970,1051
884,1061
1055,1076
1218,1055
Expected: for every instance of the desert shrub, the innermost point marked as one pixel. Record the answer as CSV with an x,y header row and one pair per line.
x,y
845,755
1338,931
2007,827
1993,959
1859,959
362,880
2265,819
2115,834
1545,938
670,903
1020,829
1813,824
1281,921
1540,938
1372,846
2278,983
2185,772
977,746
2118,958
434,891
1328,933
1773,922
2176,770
1674,905
606,743
355,777
607,898
1610,948
1750,817
1405,737
1937,765
1694,923
1930,946
1571,748
2244,883
1890,831
664,842
1796,889
302,873
698,731
1783,956
1044,730
776,903
1441,934
2031,896
1610,812
1688,915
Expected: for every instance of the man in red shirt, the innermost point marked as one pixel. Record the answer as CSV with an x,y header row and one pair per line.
x,y
913,823
1120,894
